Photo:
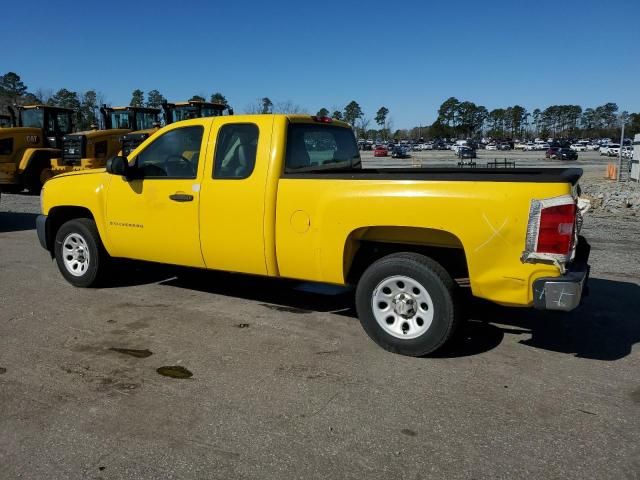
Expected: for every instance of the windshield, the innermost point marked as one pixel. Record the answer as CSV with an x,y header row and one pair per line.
x,y
63,122
120,120
312,147
33,118
145,121
211,112
184,113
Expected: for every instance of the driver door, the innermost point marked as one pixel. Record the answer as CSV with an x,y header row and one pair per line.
x,y
154,216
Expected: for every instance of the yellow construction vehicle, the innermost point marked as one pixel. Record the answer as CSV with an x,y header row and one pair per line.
x,y
33,137
175,112
6,121
91,148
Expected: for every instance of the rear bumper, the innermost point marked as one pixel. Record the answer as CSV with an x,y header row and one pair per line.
x,y
566,291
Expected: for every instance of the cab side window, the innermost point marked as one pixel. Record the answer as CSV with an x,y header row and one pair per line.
x,y
236,151
174,154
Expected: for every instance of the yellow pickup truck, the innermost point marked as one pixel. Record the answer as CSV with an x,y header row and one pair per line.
x,y
286,196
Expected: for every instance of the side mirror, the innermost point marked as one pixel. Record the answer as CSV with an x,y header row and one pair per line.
x,y
118,166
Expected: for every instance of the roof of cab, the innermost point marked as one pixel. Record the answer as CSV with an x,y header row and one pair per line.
x,y
198,102
298,118
139,109
246,117
41,106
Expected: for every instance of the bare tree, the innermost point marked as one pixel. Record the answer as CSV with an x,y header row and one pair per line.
x,y
43,94
288,106
362,124
254,107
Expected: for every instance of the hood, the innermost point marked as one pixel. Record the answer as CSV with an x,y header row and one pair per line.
x,y
77,173
99,134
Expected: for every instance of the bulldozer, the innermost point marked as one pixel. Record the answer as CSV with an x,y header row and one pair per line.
x,y
33,137
175,112
92,148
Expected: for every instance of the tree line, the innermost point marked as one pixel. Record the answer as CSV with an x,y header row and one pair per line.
x,y
456,119
86,105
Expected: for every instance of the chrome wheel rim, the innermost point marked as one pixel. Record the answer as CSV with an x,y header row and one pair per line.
x,y
75,254
402,307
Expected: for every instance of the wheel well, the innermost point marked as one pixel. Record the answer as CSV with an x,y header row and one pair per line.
x,y
365,247
58,216
39,160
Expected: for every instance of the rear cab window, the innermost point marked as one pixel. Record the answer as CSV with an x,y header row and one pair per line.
x,y
320,147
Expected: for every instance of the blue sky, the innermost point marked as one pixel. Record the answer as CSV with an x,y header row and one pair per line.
x,y
408,56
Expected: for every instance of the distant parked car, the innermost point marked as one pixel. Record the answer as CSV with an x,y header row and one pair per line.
x,y
380,151
604,148
466,152
492,146
567,154
400,151
552,153
613,150
578,147
627,152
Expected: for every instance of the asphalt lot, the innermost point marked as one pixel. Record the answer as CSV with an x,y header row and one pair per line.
x,y
285,384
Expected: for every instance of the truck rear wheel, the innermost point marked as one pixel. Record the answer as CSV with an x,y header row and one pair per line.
x,y
79,253
406,304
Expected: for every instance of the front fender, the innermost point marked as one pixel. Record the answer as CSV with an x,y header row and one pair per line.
x,y
86,190
30,154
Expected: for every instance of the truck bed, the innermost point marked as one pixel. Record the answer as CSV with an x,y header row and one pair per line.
x,y
526,175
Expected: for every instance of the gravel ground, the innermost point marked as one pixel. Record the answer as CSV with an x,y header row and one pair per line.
x,y
286,385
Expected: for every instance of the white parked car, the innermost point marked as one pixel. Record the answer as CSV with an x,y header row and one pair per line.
x,y
613,150
627,152
578,147
492,146
593,146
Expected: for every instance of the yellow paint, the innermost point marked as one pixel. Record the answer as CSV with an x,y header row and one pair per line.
x,y
28,143
307,228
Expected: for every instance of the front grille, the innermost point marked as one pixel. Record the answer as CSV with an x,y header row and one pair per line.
x,y
73,149
131,141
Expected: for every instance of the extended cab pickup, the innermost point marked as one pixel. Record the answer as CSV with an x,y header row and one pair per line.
x,y
286,196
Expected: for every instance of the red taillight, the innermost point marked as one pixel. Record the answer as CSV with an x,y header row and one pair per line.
x,y
322,119
556,229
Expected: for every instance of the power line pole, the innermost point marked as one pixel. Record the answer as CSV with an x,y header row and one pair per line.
x,y
620,152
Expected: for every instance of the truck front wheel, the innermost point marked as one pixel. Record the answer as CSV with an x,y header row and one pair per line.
x,y
406,304
79,253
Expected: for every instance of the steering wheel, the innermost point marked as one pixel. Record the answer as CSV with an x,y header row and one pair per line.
x,y
179,157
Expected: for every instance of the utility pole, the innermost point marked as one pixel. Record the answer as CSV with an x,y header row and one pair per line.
x,y
620,152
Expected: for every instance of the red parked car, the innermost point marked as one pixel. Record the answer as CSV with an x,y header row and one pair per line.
x,y
380,151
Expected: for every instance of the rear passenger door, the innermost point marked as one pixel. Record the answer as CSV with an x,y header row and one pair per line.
x,y
232,199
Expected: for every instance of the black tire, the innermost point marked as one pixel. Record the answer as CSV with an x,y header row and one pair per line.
x,y
98,259
439,286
